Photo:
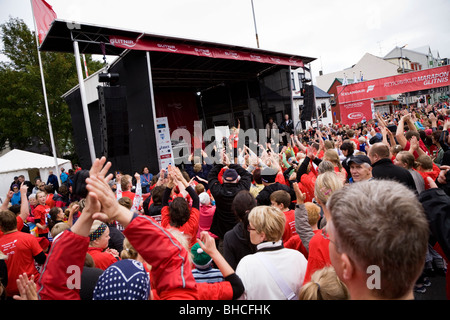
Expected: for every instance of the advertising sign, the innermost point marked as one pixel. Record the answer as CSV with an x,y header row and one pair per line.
x,y
357,111
408,82
165,152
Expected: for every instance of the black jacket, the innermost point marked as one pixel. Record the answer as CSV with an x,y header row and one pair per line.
x,y
263,198
436,204
385,169
206,168
224,218
287,127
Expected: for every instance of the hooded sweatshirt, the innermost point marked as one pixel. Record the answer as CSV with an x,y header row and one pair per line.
x,y
236,245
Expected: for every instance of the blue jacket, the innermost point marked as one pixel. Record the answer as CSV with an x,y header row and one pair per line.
x,y
15,198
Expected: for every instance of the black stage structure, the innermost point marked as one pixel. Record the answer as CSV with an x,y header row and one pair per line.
x,y
152,84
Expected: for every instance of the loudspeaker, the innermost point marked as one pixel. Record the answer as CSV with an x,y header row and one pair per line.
x,y
114,129
82,149
308,102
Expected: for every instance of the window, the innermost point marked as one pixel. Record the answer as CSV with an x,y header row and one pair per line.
x,y
324,110
293,81
301,76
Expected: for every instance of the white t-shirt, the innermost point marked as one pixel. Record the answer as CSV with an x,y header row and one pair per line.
x,y
257,280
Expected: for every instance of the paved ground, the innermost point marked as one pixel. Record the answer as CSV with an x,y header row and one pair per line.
x,y
434,292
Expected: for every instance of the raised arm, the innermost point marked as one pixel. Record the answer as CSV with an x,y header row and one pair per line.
x,y
302,226
400,133
60,278
24,207
8,198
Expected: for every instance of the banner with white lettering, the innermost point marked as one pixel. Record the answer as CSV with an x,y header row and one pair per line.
x,y
355,112
203,51
412,81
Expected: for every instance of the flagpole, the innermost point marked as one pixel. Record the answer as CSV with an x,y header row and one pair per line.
x,y
44,91
87,121
254,22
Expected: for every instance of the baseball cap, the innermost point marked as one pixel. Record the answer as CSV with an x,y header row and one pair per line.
x,y
268,175
360,159
230,175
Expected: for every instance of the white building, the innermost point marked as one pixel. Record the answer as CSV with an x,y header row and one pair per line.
x,y
420,58
369,67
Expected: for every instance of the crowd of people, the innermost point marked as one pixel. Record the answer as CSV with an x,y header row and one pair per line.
x,y
336,212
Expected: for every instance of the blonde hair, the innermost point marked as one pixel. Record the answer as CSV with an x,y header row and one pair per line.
x,y
332,156
324,285
125,180
328,144
313,211
197,167
326,184
58,228
269,220
128,252
183,239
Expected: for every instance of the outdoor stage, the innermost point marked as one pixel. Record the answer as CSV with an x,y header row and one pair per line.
x,y
181,79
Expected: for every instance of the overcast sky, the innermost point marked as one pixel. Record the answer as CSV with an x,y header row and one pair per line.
x,y
337,33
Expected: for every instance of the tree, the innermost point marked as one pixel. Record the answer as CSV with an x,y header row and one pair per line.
x,y
23,117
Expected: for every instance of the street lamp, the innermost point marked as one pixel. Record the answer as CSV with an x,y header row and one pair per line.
x,y
401,54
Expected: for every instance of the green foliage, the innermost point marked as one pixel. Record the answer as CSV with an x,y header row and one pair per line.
x,y
23,116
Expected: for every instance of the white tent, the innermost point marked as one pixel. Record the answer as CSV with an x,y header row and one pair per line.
x,y
31,165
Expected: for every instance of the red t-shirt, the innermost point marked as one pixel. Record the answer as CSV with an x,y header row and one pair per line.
x,y
21,248
306,185
101,259
289,227
129,194
421,145
319,255
235,139
320,154
432,174
433,150
296,243
49,200
40,213
356,141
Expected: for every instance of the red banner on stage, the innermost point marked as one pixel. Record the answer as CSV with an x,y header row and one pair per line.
x,y
355,112
43,16
412,81
203,51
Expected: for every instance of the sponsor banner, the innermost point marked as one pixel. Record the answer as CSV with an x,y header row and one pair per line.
x,y
202,51
355,112
164,144
412,81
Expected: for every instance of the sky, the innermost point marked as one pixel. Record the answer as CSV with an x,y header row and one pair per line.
x,y
336,32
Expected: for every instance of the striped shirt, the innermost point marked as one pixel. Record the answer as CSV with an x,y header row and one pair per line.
x,y
209,275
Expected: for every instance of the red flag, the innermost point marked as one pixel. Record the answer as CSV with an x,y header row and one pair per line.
x,y
43,16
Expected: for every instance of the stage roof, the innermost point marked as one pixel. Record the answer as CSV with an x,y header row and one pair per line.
x,y
89,36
